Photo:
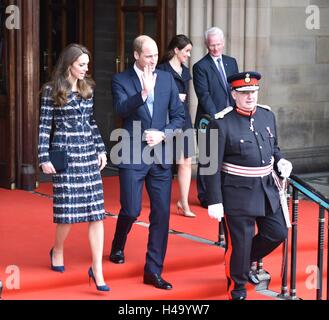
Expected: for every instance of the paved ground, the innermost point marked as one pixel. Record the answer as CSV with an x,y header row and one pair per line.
x,y
319,181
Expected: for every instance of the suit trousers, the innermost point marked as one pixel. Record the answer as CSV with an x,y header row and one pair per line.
x,y
201,188
244,247
200,179
158,181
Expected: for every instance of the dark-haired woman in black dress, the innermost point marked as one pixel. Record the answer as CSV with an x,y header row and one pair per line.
x,y
178,52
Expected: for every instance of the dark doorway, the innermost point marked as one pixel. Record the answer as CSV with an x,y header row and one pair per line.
x,y
155,18
117,24
63,22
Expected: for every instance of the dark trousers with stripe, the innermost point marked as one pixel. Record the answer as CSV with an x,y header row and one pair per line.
x,y
244,247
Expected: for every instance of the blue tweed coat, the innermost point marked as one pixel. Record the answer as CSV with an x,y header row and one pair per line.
x,y
78,192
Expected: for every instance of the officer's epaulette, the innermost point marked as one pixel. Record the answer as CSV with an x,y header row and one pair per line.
x,y
264,106
221,114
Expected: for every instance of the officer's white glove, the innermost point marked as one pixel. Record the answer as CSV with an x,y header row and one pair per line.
x,y
216,211
285,168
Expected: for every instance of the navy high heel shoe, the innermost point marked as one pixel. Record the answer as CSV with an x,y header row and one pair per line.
x,y
99,288
55,268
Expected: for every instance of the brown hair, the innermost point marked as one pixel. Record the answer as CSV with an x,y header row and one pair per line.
x,y
179,41
59,83
139,42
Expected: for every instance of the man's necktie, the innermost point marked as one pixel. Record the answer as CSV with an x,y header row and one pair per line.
x,y
149,101
221,72
223,77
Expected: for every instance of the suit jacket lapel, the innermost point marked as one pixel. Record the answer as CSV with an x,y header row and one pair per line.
x,y
135,80
229,71
156,94
138,87
226,66
215,69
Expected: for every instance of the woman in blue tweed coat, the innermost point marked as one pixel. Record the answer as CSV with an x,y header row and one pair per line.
x,y
67,111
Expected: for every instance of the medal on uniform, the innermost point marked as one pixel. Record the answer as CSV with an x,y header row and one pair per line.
x,y
269,132
251,124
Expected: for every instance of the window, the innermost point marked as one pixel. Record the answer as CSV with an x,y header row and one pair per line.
x,y
139,17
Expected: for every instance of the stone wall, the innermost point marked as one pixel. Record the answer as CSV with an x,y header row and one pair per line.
x,y
297,82
273,37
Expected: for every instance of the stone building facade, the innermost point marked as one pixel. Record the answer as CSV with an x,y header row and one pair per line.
x,y
288,42
285,40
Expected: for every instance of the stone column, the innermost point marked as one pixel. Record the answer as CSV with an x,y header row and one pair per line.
x,y
197,9
236,29
250,57
183,17
263,37
220,10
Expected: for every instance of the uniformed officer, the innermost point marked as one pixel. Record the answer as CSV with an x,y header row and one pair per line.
x,y
244,186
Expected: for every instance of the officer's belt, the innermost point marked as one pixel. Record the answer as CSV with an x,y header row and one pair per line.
x,y
247,171
262,172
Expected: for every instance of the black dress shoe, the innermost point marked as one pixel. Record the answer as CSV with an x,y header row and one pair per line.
x,y
204,204
117,257
156,280
253,277
239,298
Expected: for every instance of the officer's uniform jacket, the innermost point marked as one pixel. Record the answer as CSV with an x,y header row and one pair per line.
x,y
249,142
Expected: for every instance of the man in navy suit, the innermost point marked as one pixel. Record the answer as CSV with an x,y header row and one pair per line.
x,y
148,102
211,87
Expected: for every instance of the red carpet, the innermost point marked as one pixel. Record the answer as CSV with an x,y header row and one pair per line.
x,y
195,269
202,225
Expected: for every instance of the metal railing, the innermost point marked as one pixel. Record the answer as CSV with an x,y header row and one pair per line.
x,y
297,186
300,186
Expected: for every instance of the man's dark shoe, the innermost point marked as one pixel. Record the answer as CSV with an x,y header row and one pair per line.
x,y
253,277
156,280
239,298
117,257
204,204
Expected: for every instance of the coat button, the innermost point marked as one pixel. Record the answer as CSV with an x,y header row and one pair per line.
x,y
263,161
256,133
242,141
260,147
